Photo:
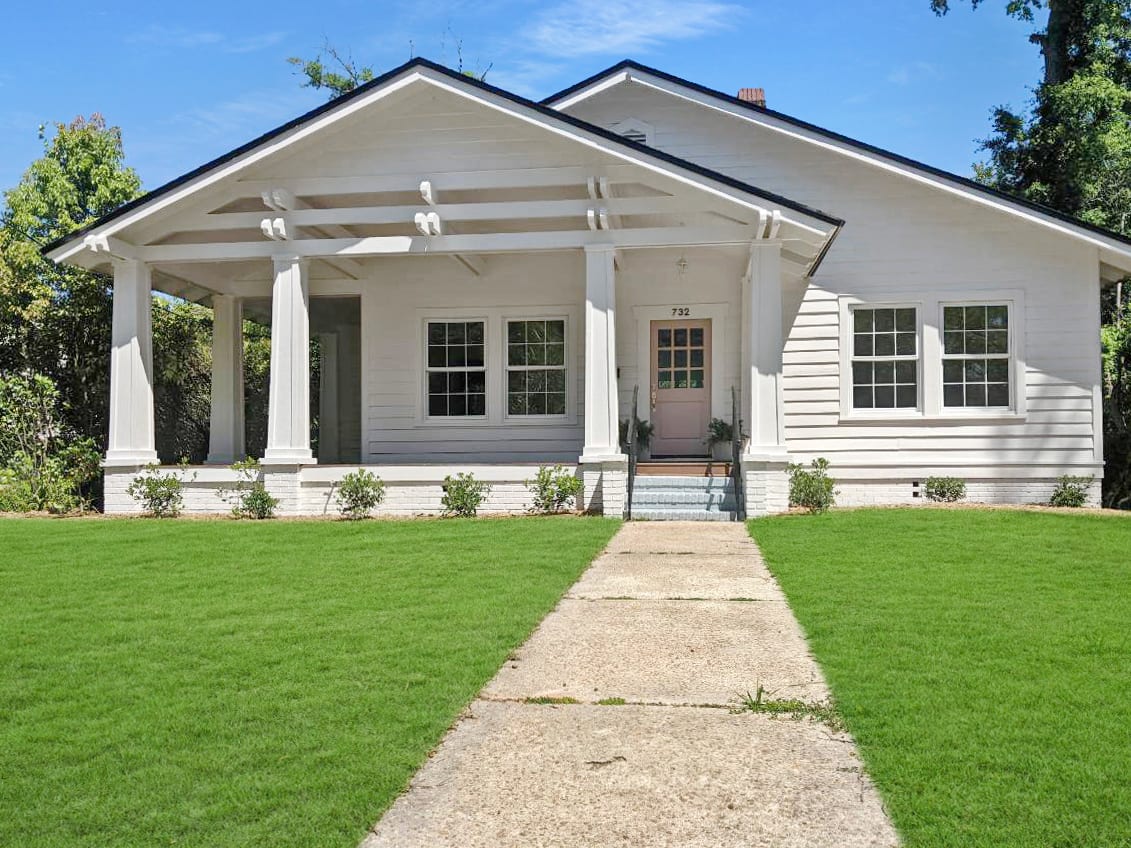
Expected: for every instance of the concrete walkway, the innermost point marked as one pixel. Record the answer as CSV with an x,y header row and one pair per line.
x,y
681,621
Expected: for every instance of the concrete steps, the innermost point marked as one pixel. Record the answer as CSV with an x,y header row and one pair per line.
x,y
679,497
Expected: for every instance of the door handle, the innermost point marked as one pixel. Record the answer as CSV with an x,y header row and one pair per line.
x,y
653,398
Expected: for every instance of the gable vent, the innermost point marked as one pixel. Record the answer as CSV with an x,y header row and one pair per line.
x,y
639,136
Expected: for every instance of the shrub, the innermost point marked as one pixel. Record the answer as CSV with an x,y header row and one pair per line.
x,y
359,493
249,498
43,466
554,489
463,494
1070,491
811,488
945,489
160,495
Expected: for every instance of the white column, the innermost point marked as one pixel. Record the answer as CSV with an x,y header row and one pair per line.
x,y
226,430
762,353
131,438
288,406
602,440
329,449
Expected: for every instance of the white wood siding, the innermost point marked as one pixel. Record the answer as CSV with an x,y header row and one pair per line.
x,y
907,238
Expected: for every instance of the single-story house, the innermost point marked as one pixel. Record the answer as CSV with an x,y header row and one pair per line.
x,y
493,280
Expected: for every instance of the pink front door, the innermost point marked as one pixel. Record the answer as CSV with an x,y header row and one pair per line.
x,y
680,387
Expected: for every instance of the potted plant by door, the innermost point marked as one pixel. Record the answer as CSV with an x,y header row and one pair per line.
x,y
643,438
720,435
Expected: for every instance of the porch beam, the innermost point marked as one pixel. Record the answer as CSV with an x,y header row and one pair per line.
x,y
293,206
463,243
493,211
131,436
288,405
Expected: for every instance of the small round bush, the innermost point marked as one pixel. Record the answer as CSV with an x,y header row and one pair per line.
x,y
554,489
463,495
359,493
1070,491
812,488
945,489
160,495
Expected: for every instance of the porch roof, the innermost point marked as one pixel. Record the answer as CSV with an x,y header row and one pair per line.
x,y
552,182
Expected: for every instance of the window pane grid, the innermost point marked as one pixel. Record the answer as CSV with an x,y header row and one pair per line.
x,y
976,356
456,369
536,373
885,358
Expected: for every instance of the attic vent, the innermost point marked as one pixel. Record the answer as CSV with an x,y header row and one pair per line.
x,y
634,129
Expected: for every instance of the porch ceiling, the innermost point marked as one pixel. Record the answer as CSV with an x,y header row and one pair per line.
x,y
437,165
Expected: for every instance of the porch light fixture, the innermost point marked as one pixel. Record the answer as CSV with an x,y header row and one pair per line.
x,y
681,264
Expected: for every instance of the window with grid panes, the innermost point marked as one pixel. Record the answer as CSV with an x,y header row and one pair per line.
x,y
680,354
536,367
885,358
456,369
976,356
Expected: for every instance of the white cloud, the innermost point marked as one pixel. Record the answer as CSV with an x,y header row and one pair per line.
x,y
190,39
914,72
585,27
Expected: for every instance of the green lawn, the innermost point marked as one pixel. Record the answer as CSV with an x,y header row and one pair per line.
x,y
218,683
981,658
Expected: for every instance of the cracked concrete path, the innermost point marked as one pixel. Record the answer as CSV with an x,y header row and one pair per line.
x,y
680,621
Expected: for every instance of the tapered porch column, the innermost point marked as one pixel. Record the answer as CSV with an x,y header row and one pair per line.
x,y
288,406
131,437
226,431
603,466
764,460
602,441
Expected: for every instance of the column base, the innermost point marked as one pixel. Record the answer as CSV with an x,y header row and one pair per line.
x,y
288,456
128,458
765,485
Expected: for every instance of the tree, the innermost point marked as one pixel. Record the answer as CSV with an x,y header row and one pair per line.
x,y
1072,151
56,319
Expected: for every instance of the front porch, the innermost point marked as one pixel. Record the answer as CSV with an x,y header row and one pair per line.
x,y
474,311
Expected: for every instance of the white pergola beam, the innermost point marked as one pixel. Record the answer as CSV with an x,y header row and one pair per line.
x,y
443,244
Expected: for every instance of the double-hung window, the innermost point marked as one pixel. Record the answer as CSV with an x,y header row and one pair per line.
x,y
975,358
885,357
536,367
457,369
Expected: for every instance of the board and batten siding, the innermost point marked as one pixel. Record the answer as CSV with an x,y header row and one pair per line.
x,y
908,241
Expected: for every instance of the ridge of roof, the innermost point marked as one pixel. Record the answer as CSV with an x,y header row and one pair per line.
x,y
898,158
419,62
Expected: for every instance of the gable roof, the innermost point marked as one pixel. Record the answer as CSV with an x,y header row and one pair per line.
x,y
628,70
544,113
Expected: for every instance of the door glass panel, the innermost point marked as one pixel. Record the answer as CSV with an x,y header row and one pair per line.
x,y
681,379
665,379
696,378
681,359
664,338
697,337
680,337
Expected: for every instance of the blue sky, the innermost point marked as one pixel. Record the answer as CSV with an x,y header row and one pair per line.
x,y
189,81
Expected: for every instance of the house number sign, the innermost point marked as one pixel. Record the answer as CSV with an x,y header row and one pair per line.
x,y
681,311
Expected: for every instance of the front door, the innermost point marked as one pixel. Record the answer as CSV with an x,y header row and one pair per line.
x,y
681,387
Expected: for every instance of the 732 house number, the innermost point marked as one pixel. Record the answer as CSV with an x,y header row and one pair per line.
x,y
681,311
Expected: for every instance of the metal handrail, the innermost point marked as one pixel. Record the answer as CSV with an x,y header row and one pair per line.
x,y
630,443
736,457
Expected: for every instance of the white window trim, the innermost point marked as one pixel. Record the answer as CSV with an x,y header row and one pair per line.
x,y
929,319
847,306
635,125
507,367
495,318
425,370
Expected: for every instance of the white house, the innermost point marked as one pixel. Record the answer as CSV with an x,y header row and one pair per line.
x,y
491,278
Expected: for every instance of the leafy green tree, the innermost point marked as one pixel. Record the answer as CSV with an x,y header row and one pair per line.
x,y
56,319
1072,151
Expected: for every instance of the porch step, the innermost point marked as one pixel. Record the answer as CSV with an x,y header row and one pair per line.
x,y
683,498
682,468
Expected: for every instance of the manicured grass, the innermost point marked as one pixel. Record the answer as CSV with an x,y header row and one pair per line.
x,y
981,659
219,683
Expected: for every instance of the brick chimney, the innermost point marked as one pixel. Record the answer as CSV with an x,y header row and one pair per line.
x,y
757,96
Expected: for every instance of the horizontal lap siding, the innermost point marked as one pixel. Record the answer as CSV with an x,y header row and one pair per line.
x,y
906,238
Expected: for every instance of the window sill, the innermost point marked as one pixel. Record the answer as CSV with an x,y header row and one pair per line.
x,y
952,418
